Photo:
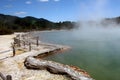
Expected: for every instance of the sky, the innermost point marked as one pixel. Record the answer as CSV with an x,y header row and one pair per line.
x,y
61,10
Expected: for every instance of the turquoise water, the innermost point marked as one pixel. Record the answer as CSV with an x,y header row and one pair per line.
x,y
97,50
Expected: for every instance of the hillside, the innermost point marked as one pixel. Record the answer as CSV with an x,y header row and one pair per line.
x,y
10,24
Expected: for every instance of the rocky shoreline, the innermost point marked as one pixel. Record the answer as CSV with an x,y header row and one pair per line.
x,y
37,54
56,68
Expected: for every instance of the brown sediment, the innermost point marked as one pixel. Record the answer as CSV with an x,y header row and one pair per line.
x,y
81,71
52,52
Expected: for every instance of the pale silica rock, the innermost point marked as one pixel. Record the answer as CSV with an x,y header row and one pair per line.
x,y
54,67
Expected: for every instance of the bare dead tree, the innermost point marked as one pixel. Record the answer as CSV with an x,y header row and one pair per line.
x,y
18,40
15,40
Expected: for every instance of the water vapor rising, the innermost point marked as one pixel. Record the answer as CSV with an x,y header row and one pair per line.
x,y
93,23
93,9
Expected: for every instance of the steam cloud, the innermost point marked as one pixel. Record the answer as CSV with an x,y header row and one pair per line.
x,y
92,10
93,23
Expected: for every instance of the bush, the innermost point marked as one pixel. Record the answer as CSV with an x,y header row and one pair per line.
x,y
5,31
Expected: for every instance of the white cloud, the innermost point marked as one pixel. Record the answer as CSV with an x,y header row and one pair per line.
x,y
56,0
28,2
43,0
20,13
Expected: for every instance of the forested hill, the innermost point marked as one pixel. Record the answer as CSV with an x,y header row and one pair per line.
x,y
10,24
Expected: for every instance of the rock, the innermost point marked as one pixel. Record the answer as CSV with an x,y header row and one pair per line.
x,y
55,68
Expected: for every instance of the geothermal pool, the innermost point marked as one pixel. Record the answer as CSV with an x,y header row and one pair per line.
x,y
95,50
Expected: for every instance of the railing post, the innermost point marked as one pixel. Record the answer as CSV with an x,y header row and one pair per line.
x,y
2,76
8,77
24,44
13,48
29,46
37,41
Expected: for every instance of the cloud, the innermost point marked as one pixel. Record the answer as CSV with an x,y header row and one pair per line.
x,y
20,13
28,2
56,0
43,0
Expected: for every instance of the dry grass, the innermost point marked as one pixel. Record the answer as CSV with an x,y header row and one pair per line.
x,y
20,65
20,51
1,64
